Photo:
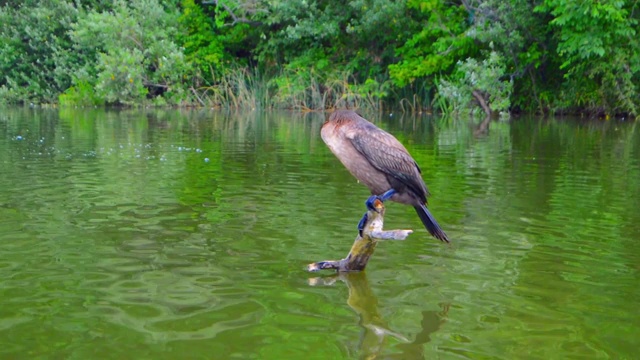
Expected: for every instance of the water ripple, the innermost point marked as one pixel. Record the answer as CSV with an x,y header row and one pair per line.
x,y
119,239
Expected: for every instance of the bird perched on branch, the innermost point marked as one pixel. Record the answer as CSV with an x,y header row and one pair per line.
x,y
378,160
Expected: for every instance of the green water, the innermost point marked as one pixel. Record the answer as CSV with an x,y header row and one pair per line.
x,y
185,235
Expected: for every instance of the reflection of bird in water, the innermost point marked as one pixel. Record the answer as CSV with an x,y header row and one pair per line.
x,y
376,331
431,322
378,160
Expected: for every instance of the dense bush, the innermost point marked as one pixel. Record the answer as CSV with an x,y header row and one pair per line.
x,y
540,56
33,46
130,52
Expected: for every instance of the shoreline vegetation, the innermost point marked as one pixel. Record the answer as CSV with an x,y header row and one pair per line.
x,y
484,57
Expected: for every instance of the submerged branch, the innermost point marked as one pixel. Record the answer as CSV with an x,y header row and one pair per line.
x,y
365,243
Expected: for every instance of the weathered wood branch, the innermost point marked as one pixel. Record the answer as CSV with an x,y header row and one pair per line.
x,y
365,243
195,93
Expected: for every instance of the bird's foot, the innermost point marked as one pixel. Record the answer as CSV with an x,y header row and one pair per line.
x,y
362,223
371,206
387,195
370,203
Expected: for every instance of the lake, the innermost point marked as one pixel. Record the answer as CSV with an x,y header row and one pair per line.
x,y
186,234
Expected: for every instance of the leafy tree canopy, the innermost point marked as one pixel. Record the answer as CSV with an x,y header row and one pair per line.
x,y
541,56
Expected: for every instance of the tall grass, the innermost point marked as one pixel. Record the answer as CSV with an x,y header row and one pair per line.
x,y
417,98
308,90
238,88
300,89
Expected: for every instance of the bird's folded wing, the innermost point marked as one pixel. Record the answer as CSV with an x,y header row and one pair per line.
x,y
388,155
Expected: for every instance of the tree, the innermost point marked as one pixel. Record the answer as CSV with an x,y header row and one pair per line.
x,y
130,53
599,52
33,49
437,47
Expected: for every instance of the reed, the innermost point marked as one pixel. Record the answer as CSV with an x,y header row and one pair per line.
x,y
295,89
237,88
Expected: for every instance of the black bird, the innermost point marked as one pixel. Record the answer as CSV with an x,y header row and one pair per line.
x,y
378,160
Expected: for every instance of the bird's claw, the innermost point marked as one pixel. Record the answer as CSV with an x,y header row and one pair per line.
x,y
371,201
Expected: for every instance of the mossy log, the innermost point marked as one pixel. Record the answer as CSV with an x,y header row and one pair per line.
x,y
365,243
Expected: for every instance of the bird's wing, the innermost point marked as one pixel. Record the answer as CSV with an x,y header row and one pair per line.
x,y
388,155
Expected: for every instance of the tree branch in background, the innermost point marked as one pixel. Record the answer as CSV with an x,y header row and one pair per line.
x,y
481,101
248,8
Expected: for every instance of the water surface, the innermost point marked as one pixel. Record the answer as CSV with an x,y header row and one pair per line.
x,y
184,234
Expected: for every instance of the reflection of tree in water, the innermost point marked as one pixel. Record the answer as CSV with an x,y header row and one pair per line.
x,y
375,329
483,128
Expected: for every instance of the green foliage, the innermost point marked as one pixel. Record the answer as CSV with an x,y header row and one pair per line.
x,y
521,39
437,47
599,51
358,36
33,44
120,76
82,94
485,78
131,53
544,56
309,89
323,54
372,92
203,48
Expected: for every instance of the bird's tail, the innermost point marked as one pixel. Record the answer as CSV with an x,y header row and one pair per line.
x,y
430,223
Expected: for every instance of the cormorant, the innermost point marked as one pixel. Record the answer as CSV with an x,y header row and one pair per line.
x,y
378,160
